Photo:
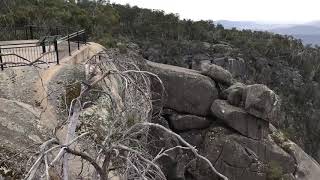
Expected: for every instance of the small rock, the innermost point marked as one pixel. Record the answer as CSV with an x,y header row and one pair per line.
x,y
218,74
188,122
234,94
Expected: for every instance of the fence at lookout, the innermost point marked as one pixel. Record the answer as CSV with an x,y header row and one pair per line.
x,y
30,45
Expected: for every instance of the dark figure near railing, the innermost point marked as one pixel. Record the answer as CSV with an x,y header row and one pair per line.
x,y
45,49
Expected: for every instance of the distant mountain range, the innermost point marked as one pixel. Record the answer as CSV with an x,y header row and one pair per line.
x,y
309,33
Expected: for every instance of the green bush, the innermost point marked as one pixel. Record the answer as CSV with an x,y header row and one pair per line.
x,y
282,140
274,171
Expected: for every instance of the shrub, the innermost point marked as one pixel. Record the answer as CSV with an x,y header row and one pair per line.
x,y
274,171
282,140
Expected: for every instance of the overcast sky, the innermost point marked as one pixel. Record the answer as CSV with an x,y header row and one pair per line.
x,y
278,11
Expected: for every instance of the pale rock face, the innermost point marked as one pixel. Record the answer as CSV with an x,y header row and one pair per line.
x,y
21,120
261,102
18,84
19,129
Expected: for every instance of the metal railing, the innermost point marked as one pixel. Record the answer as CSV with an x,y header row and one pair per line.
x,y
49,49
72,41
22,54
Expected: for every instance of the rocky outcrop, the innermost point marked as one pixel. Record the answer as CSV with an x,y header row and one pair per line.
x,y
187,91
231,132
299,92
240,120
261,102
237,142
218,74
236,66
237,157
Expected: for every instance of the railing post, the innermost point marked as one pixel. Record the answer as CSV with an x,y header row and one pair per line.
x,y
43,46
69,45
31,33
85,37
78,40
56,49
1,60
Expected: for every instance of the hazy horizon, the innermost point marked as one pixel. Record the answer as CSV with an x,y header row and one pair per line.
x,y
272,11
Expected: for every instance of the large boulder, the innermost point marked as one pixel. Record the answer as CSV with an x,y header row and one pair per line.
x,y
261,101
234,94
218,74
187,122
187,91
240,120
239,157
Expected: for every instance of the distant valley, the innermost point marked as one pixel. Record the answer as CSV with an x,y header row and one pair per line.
x,y
309,33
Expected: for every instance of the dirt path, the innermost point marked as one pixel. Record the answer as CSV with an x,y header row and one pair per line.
x,y
48,117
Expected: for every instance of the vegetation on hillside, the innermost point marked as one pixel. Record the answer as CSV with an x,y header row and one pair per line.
x,y
173,39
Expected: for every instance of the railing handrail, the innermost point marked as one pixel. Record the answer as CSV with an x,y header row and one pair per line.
x,y
26,32
53,41
18,44
69,36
